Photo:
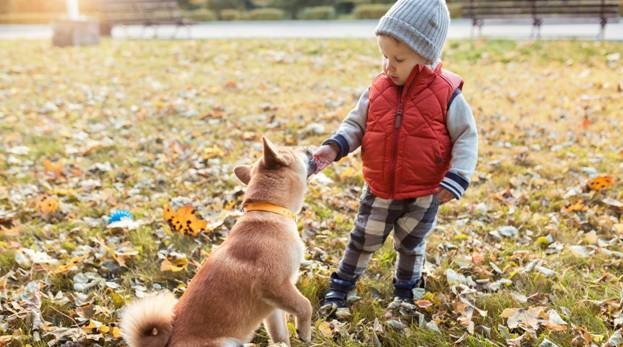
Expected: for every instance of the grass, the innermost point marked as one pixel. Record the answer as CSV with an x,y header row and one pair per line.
x,y
153,109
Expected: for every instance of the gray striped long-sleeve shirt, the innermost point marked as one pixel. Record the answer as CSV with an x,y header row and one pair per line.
x,y
459,122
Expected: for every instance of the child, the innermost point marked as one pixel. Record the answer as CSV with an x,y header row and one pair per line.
x,y
419,147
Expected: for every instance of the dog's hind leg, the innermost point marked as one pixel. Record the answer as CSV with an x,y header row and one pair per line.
x,y
277,327
287,297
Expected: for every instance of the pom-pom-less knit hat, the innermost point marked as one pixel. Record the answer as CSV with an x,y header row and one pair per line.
x,y
421,24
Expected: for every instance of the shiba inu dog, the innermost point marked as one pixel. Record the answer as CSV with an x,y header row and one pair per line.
x,y
249,279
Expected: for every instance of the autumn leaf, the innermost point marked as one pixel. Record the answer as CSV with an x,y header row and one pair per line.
x,y
325,329
116,333
72,264
423,303
184,220
212,152
63,191
530,319
121,253
522,318
47,205
554,322
174,264
600,182
53,170
576,207
231,84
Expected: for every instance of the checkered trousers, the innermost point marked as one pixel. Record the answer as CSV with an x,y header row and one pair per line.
x,y
411,219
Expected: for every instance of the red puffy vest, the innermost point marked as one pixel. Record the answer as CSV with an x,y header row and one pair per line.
x,y
406,148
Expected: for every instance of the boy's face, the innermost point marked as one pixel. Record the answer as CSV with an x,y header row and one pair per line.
x,y
398,59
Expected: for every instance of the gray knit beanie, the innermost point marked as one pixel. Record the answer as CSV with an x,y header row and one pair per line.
x,y
421,24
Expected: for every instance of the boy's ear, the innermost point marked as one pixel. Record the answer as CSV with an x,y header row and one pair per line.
x,y
243,172
272,159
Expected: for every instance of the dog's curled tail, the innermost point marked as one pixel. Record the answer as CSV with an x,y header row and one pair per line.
x,y
148,322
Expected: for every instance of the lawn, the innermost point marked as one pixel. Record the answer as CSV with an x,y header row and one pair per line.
x,y
533,253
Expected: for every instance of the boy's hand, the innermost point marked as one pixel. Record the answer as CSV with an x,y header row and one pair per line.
x,y
444,195
324,156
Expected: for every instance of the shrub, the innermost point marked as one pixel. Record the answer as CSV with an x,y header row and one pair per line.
x,y
230,15
266,14
370,11
318,12
346,6
200,15
191,4
456,10
219,5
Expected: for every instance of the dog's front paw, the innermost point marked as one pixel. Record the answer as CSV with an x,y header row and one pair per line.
x,y
304,333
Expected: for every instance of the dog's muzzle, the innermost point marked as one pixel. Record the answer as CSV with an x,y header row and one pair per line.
x,y
311,166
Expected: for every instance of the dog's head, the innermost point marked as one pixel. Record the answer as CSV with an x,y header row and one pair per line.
x,y
279,176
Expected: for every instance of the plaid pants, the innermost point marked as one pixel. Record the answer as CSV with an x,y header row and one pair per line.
x,y
411,219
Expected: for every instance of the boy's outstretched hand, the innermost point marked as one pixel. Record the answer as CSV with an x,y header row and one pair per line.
x,y
324,156
444,195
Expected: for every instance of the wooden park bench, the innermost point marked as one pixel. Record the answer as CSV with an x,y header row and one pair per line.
x,y
139,12
537,10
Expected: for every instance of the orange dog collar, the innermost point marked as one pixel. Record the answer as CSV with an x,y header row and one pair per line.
x,y
268,207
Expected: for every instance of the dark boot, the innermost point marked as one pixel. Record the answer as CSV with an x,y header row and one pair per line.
x,y
338,292
404,290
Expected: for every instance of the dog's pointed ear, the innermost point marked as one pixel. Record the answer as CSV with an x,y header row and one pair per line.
x,y
272,159
243,172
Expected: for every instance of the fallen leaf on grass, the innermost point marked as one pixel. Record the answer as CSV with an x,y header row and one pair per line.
x,y
532,318
600,182
576,207
522,318
613,203
70,265
423,303
174,263
47,205
184,220
213,152
53,170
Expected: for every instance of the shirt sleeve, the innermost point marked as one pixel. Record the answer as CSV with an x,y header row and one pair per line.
x,y
350,133
464,135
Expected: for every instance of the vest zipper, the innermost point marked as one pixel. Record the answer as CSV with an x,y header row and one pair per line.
x,y
395,132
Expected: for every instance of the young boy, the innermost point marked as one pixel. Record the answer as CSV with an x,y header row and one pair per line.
x,y
419,147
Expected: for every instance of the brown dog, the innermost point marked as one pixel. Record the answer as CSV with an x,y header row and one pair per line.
x,y
250,278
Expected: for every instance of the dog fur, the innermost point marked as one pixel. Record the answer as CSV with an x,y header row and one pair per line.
x,y
249,279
